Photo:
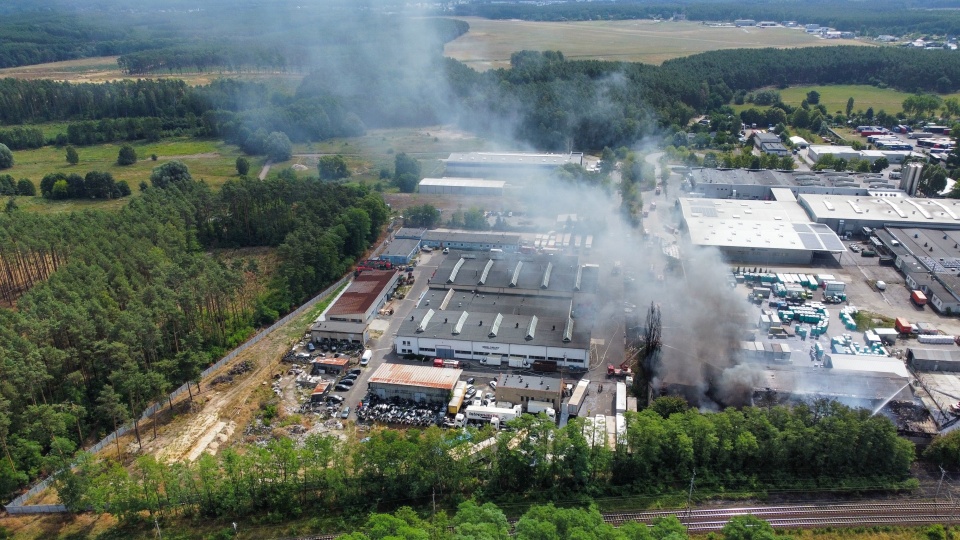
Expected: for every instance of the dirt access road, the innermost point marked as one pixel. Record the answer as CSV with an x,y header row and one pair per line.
x,y
219,410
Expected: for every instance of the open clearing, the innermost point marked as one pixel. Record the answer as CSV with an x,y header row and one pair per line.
x,y
214,161
210,160
489,43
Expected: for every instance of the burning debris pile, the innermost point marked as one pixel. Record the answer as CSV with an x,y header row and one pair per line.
x,y
910,418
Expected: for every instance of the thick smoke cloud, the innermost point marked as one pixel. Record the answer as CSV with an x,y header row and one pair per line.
x,y
703,319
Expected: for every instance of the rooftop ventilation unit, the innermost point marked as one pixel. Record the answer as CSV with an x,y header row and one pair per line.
x,y
456,270
496,326
546,276
425,320
486,272
531,328
460,322
516,274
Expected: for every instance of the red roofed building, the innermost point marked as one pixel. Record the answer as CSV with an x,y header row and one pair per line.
x,y
417,383
364,297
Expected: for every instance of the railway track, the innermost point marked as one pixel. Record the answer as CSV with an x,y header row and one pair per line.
x,y
810,515
911,513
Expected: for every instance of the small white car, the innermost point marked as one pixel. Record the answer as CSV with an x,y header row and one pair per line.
x,y
881,286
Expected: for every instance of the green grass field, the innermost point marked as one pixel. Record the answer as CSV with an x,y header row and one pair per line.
x,y
834,98
489,43
215,161
210,160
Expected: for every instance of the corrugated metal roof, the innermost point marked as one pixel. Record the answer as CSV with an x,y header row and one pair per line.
x,y
424,376
939,355
333,361
403,247
463,182
363,292
867,363
515,158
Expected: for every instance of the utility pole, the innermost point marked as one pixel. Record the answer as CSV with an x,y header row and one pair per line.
x,y
157,523
943,473
434,500
690,494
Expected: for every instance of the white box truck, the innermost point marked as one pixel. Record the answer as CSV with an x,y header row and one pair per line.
x,y
537,407
491,361
519,363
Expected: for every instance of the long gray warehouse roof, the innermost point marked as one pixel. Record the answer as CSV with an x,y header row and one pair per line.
x,y
497,328
513,159
516,272
891,210
472,237
463,182
772,178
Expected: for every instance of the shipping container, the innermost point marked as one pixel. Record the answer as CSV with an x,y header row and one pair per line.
x,y
918,298
903,326
938,339
835,286
926,328
576,400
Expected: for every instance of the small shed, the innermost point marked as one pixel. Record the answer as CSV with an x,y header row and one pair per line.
x,y
330,365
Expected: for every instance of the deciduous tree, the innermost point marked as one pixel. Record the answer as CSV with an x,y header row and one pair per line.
x,y
170,173
332,167
243,166
72,156
278,146
6,157
127,155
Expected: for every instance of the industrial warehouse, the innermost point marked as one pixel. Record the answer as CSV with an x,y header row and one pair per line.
x,y
494,307
506,165
758,184
415,383
401,251
496,337
471,241
929,260
348,317
461,186
769,232
533,275
850,214
817,151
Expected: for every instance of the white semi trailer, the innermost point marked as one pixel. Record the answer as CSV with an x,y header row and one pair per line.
x,y
495,415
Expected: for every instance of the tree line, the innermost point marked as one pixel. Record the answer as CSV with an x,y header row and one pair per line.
x,y
906,69
222,35
544,99
116,309
823,445
95,185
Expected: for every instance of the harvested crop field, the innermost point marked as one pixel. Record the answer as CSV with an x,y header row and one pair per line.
x,y
489,43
